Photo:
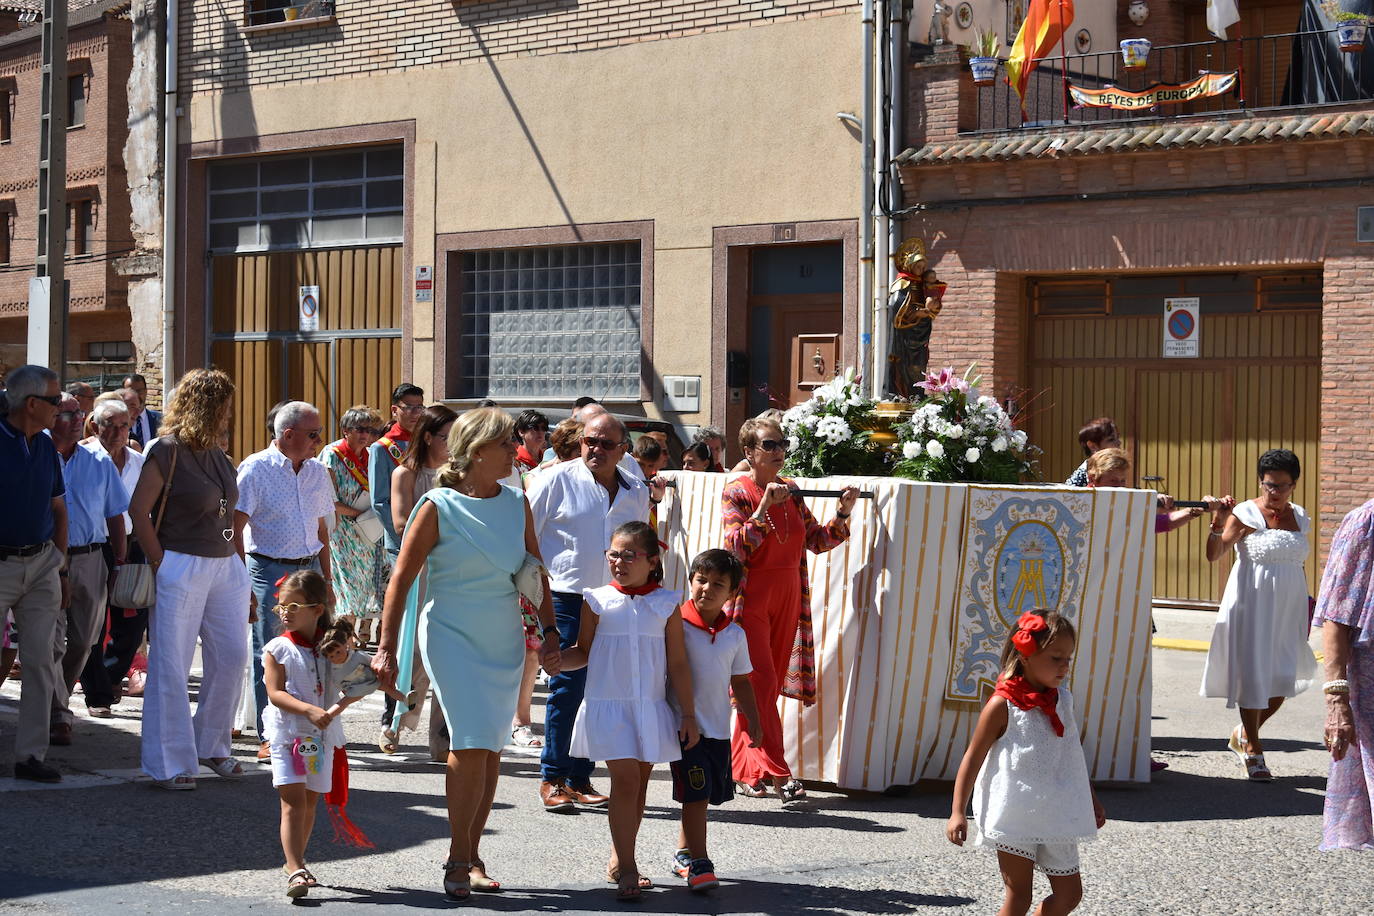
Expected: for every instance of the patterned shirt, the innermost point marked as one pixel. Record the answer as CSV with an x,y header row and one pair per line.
x,y
284,507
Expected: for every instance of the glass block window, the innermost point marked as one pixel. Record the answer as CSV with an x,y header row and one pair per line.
x,y
557,322
346,197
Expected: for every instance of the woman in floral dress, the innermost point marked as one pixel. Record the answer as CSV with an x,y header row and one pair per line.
x,y
360,563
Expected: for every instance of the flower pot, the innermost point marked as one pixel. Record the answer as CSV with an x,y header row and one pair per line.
x,y
1351,36
291,13
984,70
1134,53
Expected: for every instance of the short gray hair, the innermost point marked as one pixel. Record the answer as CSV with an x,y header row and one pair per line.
x,y
103,410
291,414
359,416
709,432
27,382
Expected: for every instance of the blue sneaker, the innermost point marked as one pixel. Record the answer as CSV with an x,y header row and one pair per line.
x,y
701,876
682,863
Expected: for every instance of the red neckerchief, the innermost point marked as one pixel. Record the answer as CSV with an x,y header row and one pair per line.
x,y
635,590
1024,696
301,641
355,464
691,615
525,458
717,469
397,433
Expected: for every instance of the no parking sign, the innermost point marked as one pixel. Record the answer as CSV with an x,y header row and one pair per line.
x,y
310,308
1181,328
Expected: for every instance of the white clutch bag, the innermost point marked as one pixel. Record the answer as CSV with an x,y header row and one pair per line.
x,y
529,580
369,525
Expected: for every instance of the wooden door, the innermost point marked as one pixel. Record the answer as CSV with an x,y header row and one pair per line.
x,y
801,345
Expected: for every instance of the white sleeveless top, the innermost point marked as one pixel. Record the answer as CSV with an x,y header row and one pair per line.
x,y
1033,787
309,678
625,712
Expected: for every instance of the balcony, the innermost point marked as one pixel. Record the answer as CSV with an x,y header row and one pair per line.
x,y
1293,70
277,12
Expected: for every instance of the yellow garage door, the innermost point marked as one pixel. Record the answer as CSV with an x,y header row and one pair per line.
x,y
1195,426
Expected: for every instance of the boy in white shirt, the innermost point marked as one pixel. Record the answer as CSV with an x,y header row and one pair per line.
x,y
719,655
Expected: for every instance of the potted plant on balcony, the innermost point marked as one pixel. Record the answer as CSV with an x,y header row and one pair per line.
x,y
1351,26
982,56
1135,52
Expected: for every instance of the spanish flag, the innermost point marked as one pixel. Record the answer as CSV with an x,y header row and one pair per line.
x,y
1045,24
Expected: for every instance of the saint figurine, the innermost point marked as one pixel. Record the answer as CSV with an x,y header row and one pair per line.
x,y
914,299
939,24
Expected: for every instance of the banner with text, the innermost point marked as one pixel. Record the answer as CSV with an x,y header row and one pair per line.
x,y
1205,86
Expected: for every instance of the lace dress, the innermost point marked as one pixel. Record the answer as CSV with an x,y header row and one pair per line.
x,y
1033,788
1259,643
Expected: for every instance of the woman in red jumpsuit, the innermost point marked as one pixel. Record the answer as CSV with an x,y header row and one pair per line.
x,y
770,529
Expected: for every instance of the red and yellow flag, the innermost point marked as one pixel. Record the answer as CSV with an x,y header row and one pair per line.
x,y
1045,24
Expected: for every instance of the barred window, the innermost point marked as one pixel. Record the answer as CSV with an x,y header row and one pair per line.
x,y
551,322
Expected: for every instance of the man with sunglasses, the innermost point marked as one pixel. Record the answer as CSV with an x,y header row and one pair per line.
x,y
384,456
33,547
576,506
285,500
96,503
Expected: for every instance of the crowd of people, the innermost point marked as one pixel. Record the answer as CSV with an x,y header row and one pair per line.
x,y
476,548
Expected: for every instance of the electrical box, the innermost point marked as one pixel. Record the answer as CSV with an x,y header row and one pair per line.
x,y
682,393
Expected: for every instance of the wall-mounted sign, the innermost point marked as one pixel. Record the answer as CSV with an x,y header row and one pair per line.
x,y
1182,328
310,308
424,284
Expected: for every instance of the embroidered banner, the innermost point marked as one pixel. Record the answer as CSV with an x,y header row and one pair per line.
x,y
1205,86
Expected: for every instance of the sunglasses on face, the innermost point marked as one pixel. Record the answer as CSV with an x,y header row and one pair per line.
x,y
292,607
772,445
1276,487
410,408
53,399
604,444
625,556
311,435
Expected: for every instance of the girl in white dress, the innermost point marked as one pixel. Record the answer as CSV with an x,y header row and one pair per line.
x,y
1032,802
1259,654
631,642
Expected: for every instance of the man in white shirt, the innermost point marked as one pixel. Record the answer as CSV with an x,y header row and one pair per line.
x,y
285,497
576,506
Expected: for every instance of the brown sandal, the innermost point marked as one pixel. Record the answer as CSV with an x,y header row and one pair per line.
x,y
483,883
613,877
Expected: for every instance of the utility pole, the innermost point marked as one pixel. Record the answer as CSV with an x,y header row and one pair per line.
x,y
48,289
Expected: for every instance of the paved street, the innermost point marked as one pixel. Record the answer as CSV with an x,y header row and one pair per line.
x,y
1198,840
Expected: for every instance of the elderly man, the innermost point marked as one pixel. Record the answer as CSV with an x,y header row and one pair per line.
x,y
285,500
109,663
33,547
85,396
384,456
715,441
96,503
145,420
576,507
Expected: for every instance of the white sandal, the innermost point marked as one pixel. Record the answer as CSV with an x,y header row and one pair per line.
x,y
524,736
1257,771
227,767
298,883
179,783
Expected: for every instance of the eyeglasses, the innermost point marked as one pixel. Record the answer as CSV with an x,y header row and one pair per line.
x,y
772,445
625,556
604,444
53,399
67,416
313,434
409,408
1276,487
292,607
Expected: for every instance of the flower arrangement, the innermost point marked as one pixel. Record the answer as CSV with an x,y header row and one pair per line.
x,y
828,434
956,434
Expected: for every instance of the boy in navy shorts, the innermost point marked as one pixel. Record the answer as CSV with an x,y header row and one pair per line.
x,y
719,655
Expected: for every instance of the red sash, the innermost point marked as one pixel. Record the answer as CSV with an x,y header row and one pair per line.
x,y
356,466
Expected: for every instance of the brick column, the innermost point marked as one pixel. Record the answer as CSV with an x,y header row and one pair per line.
x,y
1347,451
941,98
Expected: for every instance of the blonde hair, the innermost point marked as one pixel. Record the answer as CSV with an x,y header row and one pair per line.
x,y
1106,460
472,430
199,406
749,430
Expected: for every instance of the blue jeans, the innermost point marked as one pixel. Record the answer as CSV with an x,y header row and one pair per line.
x,y
263,578
565,696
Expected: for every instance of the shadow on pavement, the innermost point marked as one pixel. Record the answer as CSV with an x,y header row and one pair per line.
x,y
1176,796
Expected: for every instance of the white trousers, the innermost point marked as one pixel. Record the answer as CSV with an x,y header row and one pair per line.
x,y
205,597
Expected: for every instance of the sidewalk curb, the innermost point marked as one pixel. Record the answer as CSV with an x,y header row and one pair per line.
x,y
1186,645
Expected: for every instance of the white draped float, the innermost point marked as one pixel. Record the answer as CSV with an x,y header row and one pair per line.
x,y
910,616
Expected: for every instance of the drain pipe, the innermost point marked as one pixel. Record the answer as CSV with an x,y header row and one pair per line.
x,y
865,357
169,199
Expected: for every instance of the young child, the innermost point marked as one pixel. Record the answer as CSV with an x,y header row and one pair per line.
x,y
1032,800
719,655
301,734
352,668
631,643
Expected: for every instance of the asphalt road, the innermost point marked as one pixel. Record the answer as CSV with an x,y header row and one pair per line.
x,y
1199,839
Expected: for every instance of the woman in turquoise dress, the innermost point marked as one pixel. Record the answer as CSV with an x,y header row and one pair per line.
x,y
471,535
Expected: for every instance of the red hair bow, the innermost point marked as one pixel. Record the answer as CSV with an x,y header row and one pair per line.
x,y
1026,627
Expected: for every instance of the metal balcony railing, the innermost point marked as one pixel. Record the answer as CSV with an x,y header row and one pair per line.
x,y
1266,79
267,12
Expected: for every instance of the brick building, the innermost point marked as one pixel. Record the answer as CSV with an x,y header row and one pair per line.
x,y
99,59
1062,237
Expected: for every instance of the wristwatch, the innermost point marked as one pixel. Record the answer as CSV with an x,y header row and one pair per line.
x,y
551,627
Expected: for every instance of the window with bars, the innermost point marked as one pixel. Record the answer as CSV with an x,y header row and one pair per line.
x,y
551,322
320,200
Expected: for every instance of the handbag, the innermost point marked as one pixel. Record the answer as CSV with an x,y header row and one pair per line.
x,y
135,584
368,523
529,580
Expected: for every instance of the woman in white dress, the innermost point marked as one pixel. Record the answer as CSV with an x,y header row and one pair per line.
x,y
1259,655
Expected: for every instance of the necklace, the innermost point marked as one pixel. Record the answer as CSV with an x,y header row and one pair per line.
x,y
1274,515
319,676
212,474
781,528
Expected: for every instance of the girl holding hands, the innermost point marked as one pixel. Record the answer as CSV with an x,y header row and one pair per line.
x,y
1026,773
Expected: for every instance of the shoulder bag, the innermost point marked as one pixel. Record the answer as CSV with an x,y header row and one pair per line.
x,y
135,584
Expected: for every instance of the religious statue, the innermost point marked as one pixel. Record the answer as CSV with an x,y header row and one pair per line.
x,y
914,299
939,24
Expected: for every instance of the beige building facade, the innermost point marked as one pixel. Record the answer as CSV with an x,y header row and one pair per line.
x,y
524,201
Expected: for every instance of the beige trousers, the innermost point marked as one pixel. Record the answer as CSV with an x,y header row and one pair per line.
x,y
30,587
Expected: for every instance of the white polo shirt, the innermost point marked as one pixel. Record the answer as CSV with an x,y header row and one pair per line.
x,y
133,466
714,662
574,519
284,508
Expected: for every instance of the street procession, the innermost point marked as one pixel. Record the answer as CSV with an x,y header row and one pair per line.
x,y
695,456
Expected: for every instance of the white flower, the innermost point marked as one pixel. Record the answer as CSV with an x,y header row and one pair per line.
x,y
793,443
986,401
955,432
911,450
972,456
810,420
999,444
934,449
1018,439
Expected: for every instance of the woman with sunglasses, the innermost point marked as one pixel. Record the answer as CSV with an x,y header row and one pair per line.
x,y
189,487
1259,654
358,555
770,529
